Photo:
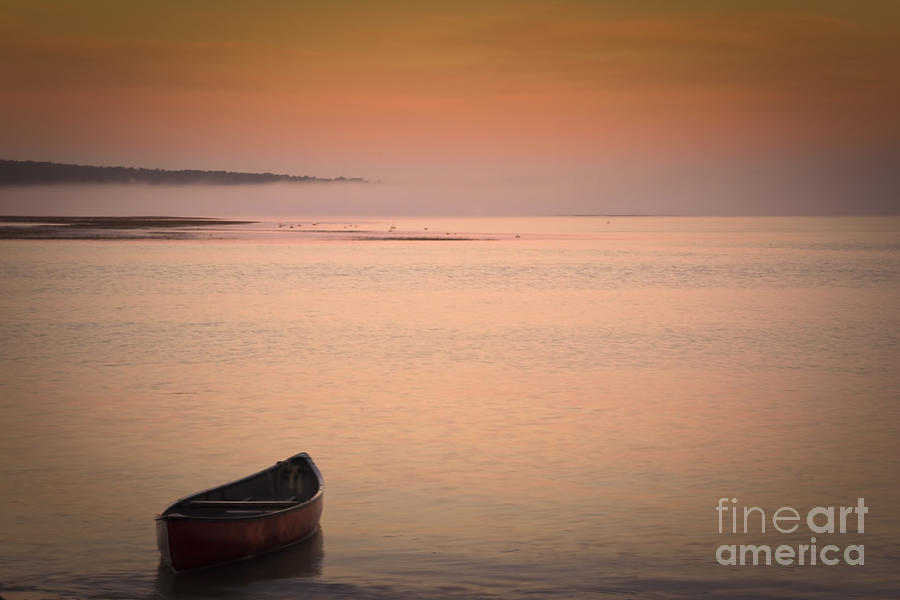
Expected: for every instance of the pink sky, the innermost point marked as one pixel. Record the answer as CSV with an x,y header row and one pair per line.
x,y
723,107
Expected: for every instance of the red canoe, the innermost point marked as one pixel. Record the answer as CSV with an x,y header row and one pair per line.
x,y
274,508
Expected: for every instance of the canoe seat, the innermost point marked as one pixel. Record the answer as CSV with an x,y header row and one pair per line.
x,y
243,504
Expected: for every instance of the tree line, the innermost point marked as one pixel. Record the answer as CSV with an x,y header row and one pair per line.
x,y
28,172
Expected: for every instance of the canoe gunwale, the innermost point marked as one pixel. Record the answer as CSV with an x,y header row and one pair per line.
x,y
170,512
175,516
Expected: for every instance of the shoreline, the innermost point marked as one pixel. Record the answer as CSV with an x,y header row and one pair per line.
x,y
99,228
180,228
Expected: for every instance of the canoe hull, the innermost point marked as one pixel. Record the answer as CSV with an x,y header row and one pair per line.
x,y
276,507
192,544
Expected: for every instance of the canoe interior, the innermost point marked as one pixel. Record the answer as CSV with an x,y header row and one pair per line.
x,y
283,486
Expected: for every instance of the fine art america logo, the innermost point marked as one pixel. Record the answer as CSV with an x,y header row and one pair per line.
x,y
821,520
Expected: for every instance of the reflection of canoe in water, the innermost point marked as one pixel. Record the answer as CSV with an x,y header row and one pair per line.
x,y
298,561
272,509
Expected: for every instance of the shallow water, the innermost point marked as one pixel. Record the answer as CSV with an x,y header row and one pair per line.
x,y
552,415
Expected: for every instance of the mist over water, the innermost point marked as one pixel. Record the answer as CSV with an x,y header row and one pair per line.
x,y
551,415
684,187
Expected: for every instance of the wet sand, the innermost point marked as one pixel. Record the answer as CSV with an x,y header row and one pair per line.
x,y
99,228
185,228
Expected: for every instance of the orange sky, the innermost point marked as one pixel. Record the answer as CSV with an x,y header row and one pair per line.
x,y
400,90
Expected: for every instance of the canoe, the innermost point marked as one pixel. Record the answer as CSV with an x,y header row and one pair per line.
x,y
272,509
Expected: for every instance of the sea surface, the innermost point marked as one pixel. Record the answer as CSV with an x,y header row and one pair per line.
x,y
501,408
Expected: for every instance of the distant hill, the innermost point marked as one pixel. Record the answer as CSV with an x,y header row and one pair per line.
x,y
28,172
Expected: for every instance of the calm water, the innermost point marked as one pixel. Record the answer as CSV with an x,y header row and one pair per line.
x,y
553,415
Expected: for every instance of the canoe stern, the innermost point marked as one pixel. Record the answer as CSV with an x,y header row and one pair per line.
x,y
162,540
